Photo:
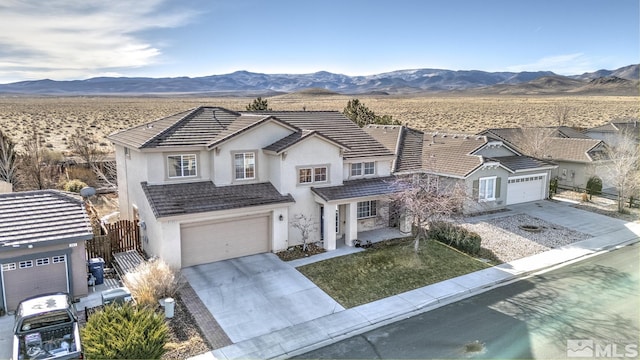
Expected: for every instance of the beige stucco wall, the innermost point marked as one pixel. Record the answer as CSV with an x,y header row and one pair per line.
x,y
78,260
472,205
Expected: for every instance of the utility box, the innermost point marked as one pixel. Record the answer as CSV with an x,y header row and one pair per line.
x,y
118,295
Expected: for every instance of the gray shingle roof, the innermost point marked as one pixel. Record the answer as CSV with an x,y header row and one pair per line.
x,y
199,126
558,148
197,197
451,154
411,149
41,217
518,163
360,188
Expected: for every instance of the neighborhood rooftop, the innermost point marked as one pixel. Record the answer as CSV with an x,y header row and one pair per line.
x,y
41,217
207,126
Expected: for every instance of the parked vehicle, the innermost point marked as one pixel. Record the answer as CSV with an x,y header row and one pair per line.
x,y
46,327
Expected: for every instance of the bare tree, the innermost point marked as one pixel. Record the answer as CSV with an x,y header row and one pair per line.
x,y
534,141
84,145
306,225
562,113
623,166
424,202
8,159
37,164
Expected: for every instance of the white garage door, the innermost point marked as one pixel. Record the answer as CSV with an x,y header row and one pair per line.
x,y
213,241
522,189
26,278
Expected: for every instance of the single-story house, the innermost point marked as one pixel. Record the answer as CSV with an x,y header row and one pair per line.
x,y
42,245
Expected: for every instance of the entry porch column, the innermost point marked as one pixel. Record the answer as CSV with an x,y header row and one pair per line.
x,y
351,223
329,226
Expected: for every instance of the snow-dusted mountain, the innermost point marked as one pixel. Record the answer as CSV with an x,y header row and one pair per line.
x,y
244,82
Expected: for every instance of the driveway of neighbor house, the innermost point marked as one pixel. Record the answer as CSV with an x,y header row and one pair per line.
x,y
256,295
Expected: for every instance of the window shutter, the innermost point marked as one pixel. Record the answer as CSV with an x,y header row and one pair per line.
x,y
476,189
498,187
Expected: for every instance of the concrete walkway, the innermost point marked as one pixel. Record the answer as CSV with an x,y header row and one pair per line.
x,y
608,233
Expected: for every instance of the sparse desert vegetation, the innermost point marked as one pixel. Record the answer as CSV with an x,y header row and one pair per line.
x,y
57,118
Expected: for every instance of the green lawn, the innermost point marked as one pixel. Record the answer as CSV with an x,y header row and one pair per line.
x,y
389,268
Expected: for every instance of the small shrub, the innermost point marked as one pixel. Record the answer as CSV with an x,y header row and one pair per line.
x,y
151,281
456,236
124,332
73,185
82,173
594,186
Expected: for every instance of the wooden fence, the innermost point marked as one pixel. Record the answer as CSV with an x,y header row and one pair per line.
x,y
120,236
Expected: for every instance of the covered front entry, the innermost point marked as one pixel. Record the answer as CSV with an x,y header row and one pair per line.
x,y
210,241
526,188
33,276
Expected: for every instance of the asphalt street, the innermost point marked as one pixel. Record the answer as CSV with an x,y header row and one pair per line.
x,y
593,301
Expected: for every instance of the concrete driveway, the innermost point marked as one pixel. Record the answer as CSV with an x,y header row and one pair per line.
x,y
256,295
6,336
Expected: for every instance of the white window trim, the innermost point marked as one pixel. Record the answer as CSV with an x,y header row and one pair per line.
x,y
9,266
25,264
363,166
373,209
43,261
485,179
58,259
181,160
255,165
313,174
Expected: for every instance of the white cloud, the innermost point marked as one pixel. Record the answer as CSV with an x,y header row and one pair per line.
x,y
62,39
566,64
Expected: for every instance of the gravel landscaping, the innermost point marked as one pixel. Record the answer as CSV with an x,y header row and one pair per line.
x,y
508,241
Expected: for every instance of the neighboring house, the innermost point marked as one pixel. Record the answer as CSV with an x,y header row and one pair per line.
x,y
43,236
609,132
209,184
578,158
494,174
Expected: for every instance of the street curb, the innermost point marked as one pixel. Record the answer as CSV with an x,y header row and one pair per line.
x,y
446,300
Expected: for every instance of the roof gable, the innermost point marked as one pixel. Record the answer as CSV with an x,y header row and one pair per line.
x,y
298,137
451,154
244,123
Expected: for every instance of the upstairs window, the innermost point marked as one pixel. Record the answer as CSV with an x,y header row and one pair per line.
x,y
308,175
366,168
182,165
245,165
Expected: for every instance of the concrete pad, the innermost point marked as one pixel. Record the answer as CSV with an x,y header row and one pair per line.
x,y
418,298
341,323
6,336
384,309
444,290
257,295
482,278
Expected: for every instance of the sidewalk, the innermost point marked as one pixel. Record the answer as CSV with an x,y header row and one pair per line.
x,y
319,332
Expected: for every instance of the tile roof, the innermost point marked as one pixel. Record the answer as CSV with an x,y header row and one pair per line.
x,y
387,135
558,148
41,217
411,149
518,163
197,197
359,188
630,127
286,142
208,125
451,154
335,126
197,126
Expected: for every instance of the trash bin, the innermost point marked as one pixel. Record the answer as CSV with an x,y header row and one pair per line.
x,y
169,305
96,268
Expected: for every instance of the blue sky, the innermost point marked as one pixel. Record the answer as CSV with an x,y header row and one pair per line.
x,y
79,39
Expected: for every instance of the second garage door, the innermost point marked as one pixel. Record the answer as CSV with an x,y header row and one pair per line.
x,y
213,241
32,277
526,188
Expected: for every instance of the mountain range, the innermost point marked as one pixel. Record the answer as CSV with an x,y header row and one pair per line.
x,y
622,81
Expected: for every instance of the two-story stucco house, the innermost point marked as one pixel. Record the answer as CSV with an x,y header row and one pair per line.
x,y
209,184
